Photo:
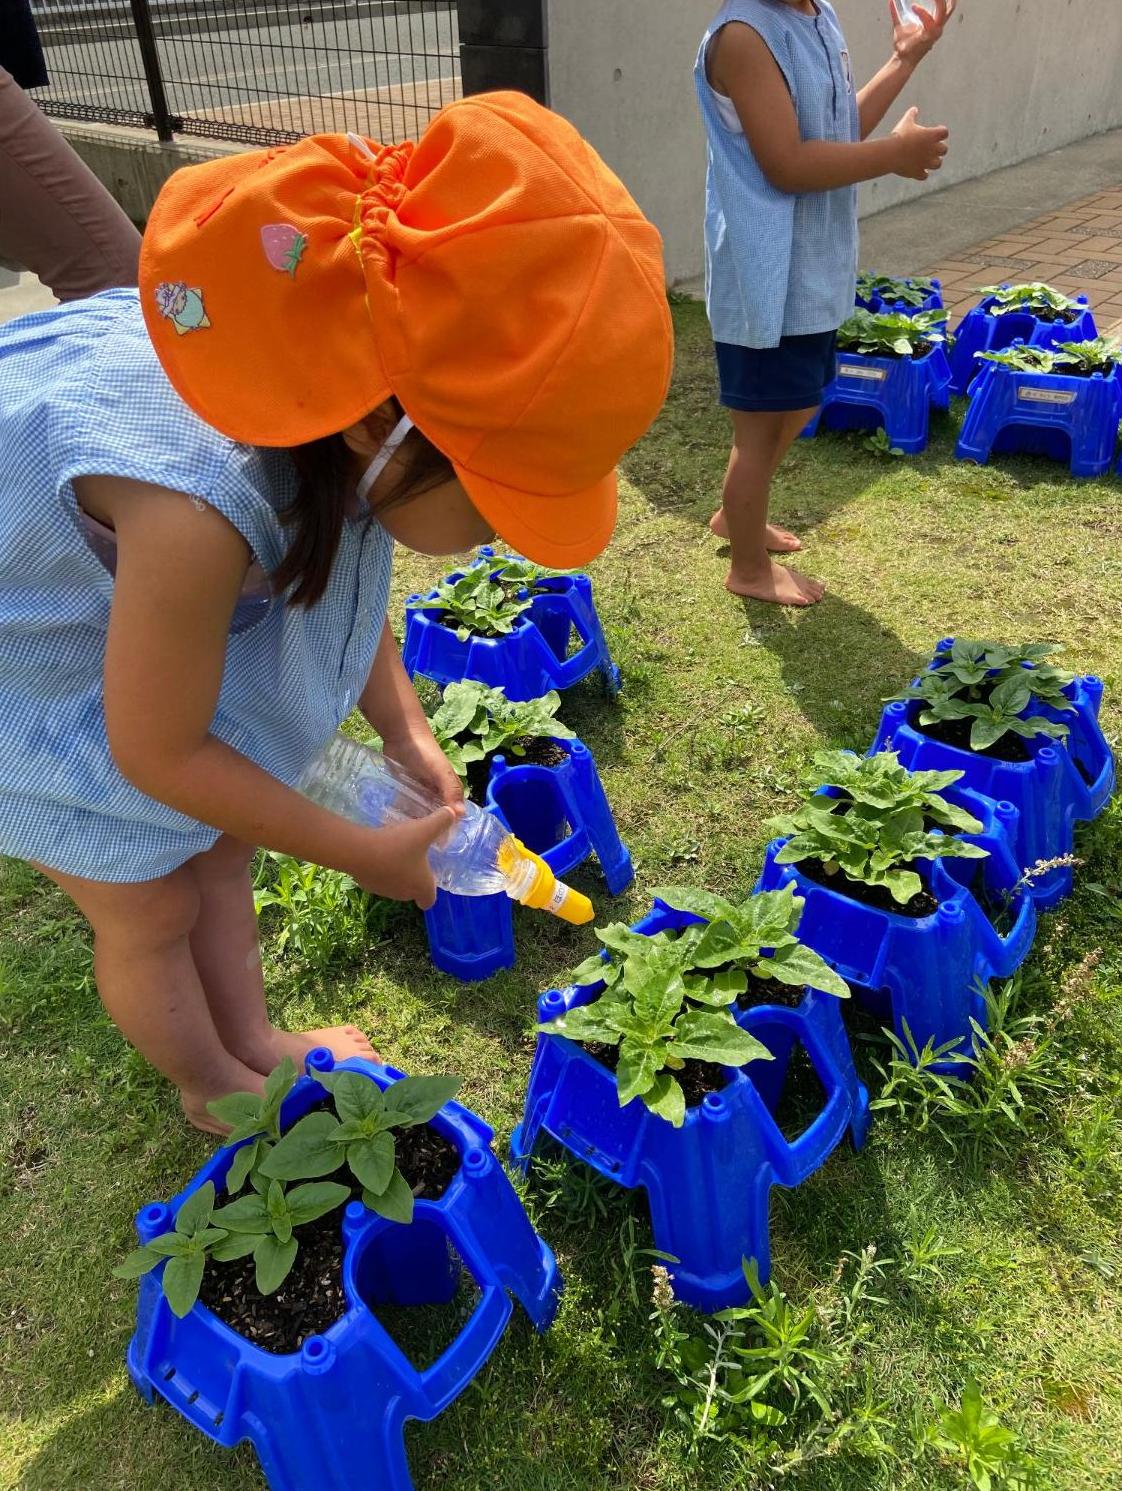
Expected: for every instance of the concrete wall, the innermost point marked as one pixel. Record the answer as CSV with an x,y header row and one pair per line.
x,y
133,164
1012,78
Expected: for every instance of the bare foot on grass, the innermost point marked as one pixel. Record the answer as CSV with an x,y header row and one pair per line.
x,y
343,1041
778,540
194,1106
781,586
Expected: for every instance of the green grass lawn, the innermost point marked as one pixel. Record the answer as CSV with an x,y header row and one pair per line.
x,y
723,702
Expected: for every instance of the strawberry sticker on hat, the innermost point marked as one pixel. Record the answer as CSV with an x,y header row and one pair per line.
x,y
496,278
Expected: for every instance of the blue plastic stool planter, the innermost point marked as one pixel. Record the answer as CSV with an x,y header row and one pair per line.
x,y
528,662
1074,420
978,331
929,972
896,394
331,1415
560,812
1064,782
878,305
708,1182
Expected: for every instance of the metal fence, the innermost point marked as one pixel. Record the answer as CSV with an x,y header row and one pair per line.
x,y
262,73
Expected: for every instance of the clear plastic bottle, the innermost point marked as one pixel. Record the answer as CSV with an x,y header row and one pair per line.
x,y
480,856
908,12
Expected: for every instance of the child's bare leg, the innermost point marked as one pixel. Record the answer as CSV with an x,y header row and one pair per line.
x,y
778,540
150,986
760,441
227,955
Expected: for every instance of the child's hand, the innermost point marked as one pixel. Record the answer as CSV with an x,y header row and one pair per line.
x,y
913,40
921,147
395,860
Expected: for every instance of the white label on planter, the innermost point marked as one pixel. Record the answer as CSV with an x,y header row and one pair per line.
x,y
855,370
1046,396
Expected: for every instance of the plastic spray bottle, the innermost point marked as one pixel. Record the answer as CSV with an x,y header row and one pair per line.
x,y
478,857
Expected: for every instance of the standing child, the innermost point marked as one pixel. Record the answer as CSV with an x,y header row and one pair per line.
x,y
334,346
788,143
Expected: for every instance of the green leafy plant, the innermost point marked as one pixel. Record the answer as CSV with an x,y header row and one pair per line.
x,y
186,1248
1033,299
992,686
879,443
993,1456
1098,355
650,1015
263,1223
488,598
255,1119
881,820
473,722
891,333
322,916
914,291
361,1137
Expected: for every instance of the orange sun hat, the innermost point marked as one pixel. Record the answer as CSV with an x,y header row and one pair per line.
x,y
497,278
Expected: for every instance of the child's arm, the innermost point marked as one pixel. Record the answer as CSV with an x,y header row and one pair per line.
x,y
911,45
179,572
743,68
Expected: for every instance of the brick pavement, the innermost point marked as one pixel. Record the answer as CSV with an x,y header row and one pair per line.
x,y
1077,250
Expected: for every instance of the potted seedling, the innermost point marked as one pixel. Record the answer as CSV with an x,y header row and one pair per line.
x,y
1034,313
510,624
884,292
891,372
875,850
1062,401
338,1193
1023,732
663,1064
518,760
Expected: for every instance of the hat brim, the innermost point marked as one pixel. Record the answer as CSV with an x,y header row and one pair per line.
x,y
561,532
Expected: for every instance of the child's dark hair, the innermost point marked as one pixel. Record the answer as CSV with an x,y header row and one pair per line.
x,y
324,471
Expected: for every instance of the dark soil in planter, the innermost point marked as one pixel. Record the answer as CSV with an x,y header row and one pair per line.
x,y
957,733
697,1077
538,750
770,991
922,904
311,1299
888,355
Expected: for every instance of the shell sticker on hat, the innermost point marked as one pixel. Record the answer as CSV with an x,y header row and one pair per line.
x,y
182,306
284,246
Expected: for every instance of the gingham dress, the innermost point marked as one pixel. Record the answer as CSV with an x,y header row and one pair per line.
x,y
82,393
777,264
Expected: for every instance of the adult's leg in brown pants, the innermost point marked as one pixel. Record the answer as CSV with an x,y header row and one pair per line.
x,y
56,218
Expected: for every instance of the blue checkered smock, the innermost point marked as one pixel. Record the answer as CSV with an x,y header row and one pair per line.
x,y
779,265
82,393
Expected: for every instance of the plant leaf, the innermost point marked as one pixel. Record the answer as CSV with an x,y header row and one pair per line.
x,y
372,1161
638,1066
194,1214
309,1202
356,1097
237,1245
242,1163
246,1214
395,1202
798,964
704,1035
274,1260
415,1100
667,1100
308,1150
183,1278
140,1261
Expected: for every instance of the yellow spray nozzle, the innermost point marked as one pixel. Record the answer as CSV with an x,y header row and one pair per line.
x,y
541,888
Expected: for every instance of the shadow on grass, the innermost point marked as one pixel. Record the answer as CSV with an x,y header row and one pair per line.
x,y
838,662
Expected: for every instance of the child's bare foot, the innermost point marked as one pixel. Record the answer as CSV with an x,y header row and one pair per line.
x,y
343,1041
778,540
780,585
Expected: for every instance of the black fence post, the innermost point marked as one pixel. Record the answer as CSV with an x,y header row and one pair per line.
x,y
504,44
163,120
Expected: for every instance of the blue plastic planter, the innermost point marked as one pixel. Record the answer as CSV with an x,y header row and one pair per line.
x,y
926,972
708,1182
878,305
528,662
1074,420
560,812
331,1415
978,331
893,393
1064,782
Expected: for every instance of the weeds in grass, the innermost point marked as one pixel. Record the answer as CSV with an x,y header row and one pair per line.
x,y
974,1436
322,916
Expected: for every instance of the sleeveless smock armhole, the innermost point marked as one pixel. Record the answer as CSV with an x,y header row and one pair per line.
x,y
128,421
783,63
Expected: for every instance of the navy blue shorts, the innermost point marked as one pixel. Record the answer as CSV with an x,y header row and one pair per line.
x,y
793,375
